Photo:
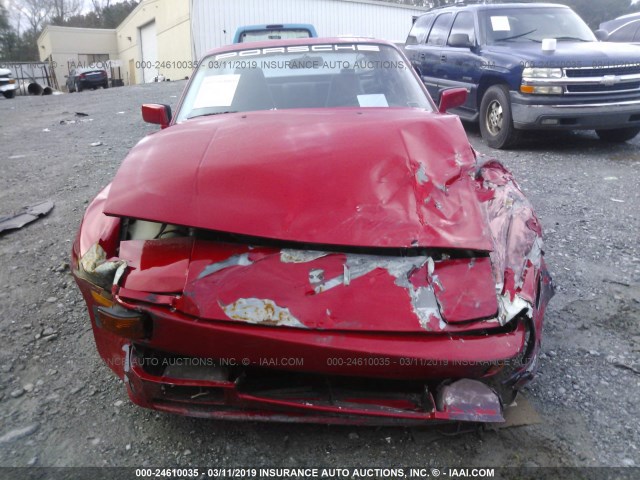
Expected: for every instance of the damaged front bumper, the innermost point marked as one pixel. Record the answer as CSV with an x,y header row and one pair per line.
x,y
231,370
200,389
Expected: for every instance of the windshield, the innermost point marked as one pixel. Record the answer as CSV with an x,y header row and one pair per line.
x,y
533,25
302,76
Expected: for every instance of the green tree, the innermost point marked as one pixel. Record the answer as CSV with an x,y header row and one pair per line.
x,y
113,14
104,15
10,41
88,20
62,10
22,46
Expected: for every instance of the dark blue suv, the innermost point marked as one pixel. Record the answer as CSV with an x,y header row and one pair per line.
x,y
530,66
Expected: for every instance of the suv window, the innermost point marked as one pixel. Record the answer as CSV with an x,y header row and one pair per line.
x,y
464,24
440,29
418,33
533,24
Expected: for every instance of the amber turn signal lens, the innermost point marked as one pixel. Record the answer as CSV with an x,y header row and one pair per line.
x,y
122,322
102,298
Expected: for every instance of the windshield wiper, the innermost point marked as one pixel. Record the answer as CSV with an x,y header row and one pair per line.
x,y
211,113
572,38
517,36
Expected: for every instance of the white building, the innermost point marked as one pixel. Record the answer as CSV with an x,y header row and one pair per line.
x,y
214,22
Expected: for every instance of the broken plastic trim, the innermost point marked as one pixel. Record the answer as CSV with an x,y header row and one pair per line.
x,y
94,267
470,400
510,309
26,216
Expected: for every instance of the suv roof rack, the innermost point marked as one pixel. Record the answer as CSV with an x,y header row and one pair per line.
x,y
461,3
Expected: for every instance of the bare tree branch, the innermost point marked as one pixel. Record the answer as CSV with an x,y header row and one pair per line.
x,y
36,12
63,9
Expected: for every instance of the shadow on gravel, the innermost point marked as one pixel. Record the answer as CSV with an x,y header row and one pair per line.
x,y
562,141
295,444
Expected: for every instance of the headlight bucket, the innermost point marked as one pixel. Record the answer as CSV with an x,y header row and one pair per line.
x,y
531,74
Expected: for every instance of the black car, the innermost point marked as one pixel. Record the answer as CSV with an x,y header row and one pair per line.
x,y
622,29
81,78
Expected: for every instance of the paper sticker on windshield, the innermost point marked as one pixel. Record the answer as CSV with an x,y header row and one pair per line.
x,y
500,24
217,91
373,100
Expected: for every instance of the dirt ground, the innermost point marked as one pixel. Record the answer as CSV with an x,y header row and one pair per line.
x,y
60,406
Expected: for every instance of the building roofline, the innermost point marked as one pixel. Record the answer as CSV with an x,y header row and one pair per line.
x,y
84,30
140,6
387,4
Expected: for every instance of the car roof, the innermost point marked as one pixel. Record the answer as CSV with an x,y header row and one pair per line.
x,y
611,25
89,69
274,26
298,41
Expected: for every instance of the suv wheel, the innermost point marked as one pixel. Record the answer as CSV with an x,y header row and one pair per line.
x,y
9,94
496,122
618,135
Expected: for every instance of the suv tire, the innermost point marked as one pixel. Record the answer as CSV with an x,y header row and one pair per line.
x,y
496,121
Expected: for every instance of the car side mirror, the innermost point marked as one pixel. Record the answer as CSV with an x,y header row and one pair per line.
x,y
156,113
460,40
601,35
452,98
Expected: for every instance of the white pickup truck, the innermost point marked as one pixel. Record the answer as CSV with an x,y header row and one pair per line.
x,y
8,84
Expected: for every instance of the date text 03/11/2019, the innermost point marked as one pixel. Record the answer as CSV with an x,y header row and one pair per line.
x,y
328,473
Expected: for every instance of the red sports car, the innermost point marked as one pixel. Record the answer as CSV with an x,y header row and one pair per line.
x,y
311,239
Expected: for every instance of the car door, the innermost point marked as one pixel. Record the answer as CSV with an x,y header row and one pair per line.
x,y
414,47
461,62
432,67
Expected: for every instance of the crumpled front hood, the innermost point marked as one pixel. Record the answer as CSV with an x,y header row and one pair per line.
x,y
352,177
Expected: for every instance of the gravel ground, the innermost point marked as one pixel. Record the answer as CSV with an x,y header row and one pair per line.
x,y
60,406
